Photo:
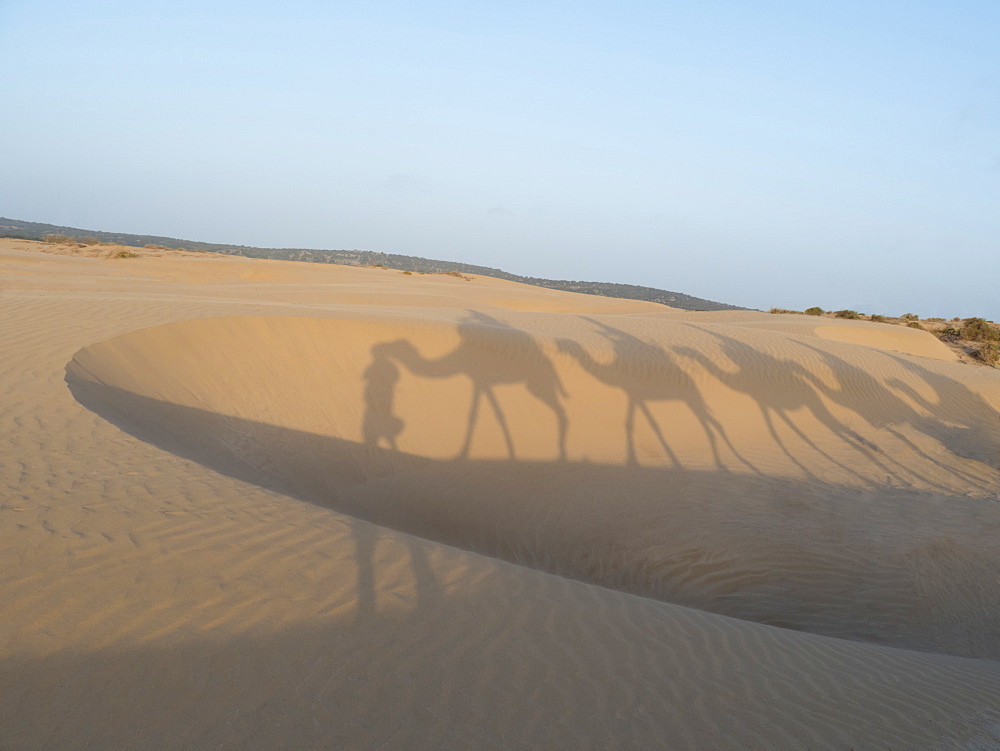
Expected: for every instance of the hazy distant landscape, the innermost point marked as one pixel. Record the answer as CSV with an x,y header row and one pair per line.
x,y
37,231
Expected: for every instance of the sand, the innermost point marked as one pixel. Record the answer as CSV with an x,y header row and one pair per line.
x,y
261,504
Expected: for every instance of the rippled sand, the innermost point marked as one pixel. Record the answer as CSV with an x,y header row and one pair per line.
x,y
276,505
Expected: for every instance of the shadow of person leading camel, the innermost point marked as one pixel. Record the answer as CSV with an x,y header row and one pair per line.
x,y
671,383
521,361
381,377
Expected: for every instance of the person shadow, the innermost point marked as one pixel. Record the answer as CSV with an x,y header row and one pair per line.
x,y
380,424
489,353
671,383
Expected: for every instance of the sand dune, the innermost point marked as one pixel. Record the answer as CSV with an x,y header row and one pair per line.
x,y
255,503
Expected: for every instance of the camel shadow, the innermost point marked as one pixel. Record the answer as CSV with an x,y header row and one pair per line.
x,y
796,390
522,362
886,409
672,383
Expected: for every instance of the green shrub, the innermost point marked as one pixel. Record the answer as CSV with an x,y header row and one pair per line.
x,y
915,325
978,330
814,311
852,314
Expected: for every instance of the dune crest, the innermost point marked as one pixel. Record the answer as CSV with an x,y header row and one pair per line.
x,y
448,430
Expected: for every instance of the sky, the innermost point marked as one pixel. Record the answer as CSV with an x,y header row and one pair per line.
x,y
785,154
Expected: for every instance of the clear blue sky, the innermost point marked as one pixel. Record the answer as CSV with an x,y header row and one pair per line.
x,y
769,153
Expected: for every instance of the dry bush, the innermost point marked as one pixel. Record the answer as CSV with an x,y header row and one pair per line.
x,y
915,325
979,330
875,318
989,353
851,314
59,240
948,333
783,310
124,253
814,311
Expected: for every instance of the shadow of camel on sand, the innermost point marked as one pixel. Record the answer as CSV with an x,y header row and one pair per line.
x,y
527,365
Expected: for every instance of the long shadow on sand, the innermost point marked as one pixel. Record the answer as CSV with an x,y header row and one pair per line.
x,y
663,533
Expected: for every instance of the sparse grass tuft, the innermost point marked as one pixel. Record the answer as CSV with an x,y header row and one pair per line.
x,y
123,253
783,310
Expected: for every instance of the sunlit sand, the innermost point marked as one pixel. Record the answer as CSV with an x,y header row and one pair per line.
x,y
278,505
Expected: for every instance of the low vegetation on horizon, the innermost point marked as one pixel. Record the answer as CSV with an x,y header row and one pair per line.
x,y
976,337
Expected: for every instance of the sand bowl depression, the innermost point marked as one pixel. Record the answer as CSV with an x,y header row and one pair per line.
x,y
790,480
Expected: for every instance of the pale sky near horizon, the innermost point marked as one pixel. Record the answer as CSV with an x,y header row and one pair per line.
x,y
762,154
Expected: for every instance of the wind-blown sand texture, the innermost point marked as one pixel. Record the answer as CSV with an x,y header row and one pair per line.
x,y
259,504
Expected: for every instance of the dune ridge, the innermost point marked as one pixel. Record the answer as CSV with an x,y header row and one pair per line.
x,y
239,511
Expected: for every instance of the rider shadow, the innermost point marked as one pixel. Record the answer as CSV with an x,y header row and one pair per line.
x,y
521,361
670,383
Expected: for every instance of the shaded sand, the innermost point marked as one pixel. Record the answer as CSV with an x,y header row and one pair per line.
x,y
276,505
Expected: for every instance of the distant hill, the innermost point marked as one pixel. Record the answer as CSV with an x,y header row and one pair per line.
x,y
37,230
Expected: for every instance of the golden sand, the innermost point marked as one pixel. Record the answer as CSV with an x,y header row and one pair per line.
x,y
261,504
